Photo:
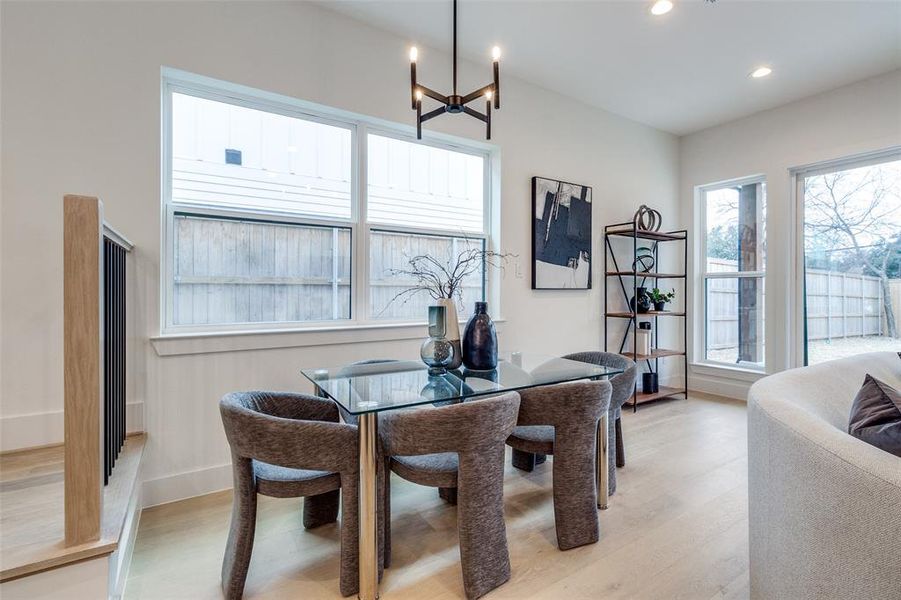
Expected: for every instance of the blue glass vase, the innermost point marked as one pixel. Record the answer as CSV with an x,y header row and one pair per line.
x,y
480,341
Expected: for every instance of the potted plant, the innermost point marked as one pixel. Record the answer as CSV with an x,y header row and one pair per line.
x,y
660,299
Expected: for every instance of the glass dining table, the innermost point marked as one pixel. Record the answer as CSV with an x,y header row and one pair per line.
x,y
367,388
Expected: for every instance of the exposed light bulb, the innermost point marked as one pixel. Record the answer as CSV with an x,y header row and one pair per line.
x,y
488,95
496,53
418,94
661,7
762,71
414,54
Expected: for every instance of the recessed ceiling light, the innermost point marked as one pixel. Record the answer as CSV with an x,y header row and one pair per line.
x,y
661,7
761,72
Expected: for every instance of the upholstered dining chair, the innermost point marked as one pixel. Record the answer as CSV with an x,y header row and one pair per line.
x,y
289,445
562,420
623,386
459,446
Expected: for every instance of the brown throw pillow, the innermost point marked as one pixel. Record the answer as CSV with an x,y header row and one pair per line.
x,y
876,415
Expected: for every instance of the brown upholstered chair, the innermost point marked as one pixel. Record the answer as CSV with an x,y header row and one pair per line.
x,y
460,447
289,445
562,420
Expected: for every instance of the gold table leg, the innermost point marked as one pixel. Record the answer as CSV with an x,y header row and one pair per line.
x,y
368,562
602,474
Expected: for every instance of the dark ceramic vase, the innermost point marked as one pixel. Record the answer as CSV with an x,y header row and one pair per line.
x,y
641,302
649,384
480,341
660,306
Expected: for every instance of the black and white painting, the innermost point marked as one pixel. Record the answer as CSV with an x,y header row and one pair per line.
x,y
561,235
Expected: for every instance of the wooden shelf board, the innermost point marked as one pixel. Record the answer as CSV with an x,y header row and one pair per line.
x,y
655,353
660,236
664,392
653,313
652,274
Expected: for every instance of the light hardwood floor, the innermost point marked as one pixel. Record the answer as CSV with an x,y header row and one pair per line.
x,y
676,528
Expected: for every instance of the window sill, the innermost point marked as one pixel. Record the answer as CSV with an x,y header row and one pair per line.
x,y
727,372
180,344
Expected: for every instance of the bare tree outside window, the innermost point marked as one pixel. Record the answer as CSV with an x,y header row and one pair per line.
x,y
852,236
734,273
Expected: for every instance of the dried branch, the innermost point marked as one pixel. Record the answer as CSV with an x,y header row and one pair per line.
x,y
445,280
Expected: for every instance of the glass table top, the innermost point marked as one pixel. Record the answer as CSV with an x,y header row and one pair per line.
x,y
388,385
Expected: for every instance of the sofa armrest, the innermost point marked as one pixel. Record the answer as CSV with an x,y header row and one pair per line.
x,y
824,508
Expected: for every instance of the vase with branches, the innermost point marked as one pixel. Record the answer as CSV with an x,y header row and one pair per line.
x,y
444,282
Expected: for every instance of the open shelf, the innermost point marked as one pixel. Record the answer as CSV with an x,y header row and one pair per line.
x,y
663,392
652,313
655,353
618,258
660,236
651,275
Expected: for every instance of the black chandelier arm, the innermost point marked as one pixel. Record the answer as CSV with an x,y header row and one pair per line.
x,y
485,118
433,94
479,93
432,114
474,113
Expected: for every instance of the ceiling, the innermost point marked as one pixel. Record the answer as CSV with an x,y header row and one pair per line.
x,y
680,72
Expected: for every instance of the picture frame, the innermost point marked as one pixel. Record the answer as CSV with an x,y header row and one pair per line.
x,y
561,235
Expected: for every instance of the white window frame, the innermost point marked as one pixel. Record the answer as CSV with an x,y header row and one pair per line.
x,y
797,288
176,81
699,327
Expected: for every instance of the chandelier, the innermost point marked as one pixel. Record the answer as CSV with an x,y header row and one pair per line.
x,y
455,103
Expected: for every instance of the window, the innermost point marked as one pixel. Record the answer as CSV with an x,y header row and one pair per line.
x,y
733,273
852,258
280,215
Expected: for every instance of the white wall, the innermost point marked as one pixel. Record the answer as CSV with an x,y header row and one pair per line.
x,y
81,114
858,118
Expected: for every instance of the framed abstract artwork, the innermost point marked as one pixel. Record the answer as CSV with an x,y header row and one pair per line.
x,y
561,235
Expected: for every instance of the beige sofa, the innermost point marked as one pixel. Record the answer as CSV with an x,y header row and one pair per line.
x,y
825,508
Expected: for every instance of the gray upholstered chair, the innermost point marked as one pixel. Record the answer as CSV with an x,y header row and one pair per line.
x,y
460,446
563,420
289,445
623,386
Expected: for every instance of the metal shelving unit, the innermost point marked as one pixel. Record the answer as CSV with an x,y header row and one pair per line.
x,y
656,238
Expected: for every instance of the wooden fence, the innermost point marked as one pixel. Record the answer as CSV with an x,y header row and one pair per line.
x,y
843,305
229,271
838,305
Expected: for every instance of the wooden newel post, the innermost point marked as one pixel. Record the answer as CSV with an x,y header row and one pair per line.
x,y
83,366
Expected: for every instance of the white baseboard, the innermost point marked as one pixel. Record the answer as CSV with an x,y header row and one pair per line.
x,y
719,386
46,428
187,485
